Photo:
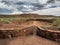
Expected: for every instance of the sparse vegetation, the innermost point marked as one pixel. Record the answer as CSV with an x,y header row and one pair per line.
x,y
6,20
57,22
9,18
24,17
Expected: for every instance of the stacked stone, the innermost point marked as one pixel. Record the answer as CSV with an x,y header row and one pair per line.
x,y
49,34
4,34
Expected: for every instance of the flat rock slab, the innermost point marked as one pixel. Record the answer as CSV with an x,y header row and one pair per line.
x,y
31,40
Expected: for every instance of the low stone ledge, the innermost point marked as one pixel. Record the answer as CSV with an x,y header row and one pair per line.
x,y
5,34
33,30
52,35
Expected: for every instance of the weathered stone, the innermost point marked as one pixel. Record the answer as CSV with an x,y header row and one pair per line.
x,y
15,33
52,35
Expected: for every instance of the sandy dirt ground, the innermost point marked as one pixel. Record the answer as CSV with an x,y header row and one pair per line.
x,y
21,26
30,40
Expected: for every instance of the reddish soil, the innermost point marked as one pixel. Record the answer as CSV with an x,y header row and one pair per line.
x,y
31,40
23,24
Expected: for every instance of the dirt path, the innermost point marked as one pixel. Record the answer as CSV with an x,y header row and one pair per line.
x,y
31,40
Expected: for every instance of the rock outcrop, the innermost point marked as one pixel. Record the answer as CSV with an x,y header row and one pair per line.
x,y
15,33
49,34
32,30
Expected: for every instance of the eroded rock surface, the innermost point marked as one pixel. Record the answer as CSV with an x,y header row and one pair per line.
x,y
16,33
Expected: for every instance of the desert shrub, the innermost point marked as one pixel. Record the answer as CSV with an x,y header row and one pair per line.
x,y
57,22
6,20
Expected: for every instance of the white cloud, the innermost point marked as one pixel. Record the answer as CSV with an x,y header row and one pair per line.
x,y
17,12
51,11
8,7
14,7
2,5
43,1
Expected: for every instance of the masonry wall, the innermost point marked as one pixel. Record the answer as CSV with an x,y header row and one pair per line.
x,y
55,36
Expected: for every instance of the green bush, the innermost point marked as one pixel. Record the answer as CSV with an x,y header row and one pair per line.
x,y
57,22
6,20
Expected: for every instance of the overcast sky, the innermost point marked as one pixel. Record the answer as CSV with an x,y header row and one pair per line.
x,y
10,7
